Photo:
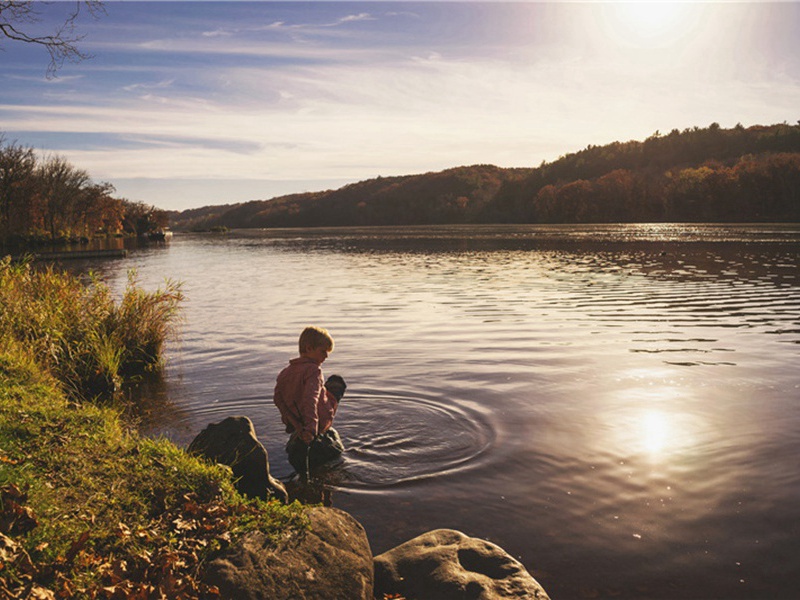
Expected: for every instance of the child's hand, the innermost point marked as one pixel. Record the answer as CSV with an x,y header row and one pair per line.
x,y
336,386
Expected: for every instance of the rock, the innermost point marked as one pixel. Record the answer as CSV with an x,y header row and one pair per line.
x,y
331,561
233,442
447,565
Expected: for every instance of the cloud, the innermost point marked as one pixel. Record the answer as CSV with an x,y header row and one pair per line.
x,y
287,102
159,85
219,33
391,113
308,25
53,81
353,18
228,32
275,26
409,14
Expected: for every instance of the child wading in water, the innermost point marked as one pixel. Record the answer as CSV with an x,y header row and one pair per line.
x,y
307,405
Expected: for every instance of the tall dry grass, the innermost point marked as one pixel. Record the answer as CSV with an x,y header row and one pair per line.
x,y
78,332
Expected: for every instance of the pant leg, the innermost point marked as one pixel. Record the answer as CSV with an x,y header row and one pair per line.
x,y
325,448
298,454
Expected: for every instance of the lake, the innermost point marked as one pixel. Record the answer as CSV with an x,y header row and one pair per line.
x,y
617,406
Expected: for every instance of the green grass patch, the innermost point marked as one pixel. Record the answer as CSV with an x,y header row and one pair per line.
x,y
88,507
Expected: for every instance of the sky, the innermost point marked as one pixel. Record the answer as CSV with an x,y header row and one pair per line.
x,y
187,104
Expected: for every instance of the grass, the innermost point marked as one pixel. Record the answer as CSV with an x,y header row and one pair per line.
x,y
78,332
88,508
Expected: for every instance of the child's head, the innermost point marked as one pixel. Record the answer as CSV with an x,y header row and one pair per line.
x,y
316,343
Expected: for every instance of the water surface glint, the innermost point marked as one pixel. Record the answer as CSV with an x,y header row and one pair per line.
x,y
617,406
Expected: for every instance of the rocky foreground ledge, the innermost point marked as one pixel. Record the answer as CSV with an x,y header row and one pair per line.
x,y
332,560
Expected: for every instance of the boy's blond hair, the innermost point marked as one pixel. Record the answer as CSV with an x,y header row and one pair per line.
x,y
315,337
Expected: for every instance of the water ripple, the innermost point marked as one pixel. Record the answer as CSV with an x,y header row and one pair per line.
x,y
397,439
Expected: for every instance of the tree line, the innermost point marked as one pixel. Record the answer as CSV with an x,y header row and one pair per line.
x,y
707,174
700,174
755,188
45,200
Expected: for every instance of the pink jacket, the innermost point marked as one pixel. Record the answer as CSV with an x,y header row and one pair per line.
x,y
302,399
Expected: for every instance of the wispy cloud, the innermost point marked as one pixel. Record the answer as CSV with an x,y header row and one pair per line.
x,y
284,26
218,33
278,92
353,18
159,85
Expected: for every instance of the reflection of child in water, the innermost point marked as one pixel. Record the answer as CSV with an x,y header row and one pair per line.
x,y
308,406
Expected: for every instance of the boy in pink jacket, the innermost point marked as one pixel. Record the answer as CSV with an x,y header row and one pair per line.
x,y
308,405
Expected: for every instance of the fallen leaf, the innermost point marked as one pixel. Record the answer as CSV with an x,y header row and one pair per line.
x,y
123,530
40,593
77,546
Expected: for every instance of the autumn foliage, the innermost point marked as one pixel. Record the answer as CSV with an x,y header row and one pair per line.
x,y
751,189
700,174
48,199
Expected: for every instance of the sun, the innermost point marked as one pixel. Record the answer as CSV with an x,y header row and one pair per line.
x,y
650,23
651,18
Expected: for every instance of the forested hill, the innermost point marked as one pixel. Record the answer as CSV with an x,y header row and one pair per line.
x,y
701,174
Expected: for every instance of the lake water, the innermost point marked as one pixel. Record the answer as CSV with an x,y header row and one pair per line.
x,y
616,406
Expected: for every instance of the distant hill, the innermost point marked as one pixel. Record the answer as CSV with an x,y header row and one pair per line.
x,y
700,174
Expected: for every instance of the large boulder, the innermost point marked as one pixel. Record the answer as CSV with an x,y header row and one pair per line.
x,y
331,561
233,442
447,565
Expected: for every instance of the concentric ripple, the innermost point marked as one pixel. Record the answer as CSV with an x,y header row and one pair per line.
x,y
396,439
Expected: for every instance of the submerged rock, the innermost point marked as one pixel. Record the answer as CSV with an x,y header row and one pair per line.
x,y
233,442
445,564
330,561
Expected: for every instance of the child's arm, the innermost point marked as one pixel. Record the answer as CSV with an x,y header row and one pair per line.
x,y
287,416
308,405
333,401
292,425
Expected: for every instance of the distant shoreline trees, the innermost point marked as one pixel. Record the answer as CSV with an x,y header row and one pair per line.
x,y
48,200
700,174
711,174
755,188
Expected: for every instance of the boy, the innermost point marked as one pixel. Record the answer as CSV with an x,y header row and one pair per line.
x,y
307,406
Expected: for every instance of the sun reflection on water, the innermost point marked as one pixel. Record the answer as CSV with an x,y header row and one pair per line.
x,y
654,420
657,434
655,429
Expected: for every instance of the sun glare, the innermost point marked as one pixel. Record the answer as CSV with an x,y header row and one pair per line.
x,y
653,421
650,23
655,432
650,18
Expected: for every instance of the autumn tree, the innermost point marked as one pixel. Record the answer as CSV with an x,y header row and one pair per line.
x,y
17,164
97,210
544,205
140,218
51,198
61,188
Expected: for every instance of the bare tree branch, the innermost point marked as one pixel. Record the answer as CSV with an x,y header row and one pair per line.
x,y
17,18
